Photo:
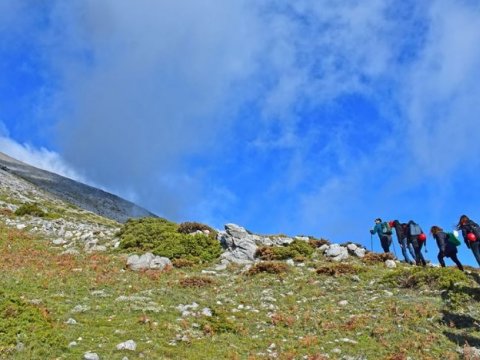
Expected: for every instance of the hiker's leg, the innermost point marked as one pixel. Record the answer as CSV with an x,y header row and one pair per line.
x,y
410,248
440,259
475,246
418,255
384,243
456,261
403,246
422,259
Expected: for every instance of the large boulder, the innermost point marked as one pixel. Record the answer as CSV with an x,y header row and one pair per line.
x,y
147,261
337,252
239,245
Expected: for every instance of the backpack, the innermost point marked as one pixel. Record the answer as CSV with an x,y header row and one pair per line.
x,y
415,229
452,239
386,229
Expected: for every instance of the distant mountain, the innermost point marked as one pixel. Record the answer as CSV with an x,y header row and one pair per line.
x,y
84,196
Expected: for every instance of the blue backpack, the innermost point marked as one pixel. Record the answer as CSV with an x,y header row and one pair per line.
x,y
415,229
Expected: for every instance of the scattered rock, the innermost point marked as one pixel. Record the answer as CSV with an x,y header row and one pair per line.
x,y
360,252
337,252
390,264
147,261
90,356
80,309
59,242
206,312
127,345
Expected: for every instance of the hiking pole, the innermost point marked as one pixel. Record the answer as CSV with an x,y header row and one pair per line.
x,y
394,249
371,242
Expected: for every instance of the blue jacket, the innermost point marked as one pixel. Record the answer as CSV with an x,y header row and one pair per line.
x,y
378,230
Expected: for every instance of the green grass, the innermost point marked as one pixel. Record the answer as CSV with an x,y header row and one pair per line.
x,y
297,310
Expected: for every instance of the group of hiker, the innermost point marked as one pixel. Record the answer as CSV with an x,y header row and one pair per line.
x,y
412,239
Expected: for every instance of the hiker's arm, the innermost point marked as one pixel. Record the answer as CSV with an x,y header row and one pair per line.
x,y
442,242
464,234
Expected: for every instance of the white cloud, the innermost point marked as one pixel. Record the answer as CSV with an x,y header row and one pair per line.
x,y
441,92
40,158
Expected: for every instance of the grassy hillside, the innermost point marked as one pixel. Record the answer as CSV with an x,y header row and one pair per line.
x,y
65,291
59,306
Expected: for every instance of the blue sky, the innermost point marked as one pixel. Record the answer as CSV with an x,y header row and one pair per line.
x,y
313,117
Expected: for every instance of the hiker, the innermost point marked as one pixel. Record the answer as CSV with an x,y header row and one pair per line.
x,y
417,238
401,231
445,246
471,235
384,234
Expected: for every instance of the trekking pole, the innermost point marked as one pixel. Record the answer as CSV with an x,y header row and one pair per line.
x,y
371,242
394,249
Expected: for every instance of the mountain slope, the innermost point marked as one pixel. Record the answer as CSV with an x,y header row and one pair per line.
x,y
84,196
66,292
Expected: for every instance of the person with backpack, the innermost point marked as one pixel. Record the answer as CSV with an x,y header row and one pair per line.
x,y
384,232
446,245
401,231
471,235
417,238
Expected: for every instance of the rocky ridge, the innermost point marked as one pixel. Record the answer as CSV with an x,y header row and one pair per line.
x,y
83,196
72,228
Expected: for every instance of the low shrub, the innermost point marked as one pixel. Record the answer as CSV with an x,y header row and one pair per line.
x,y
219,322
339,269
30,209
30,325
6,212
433,278
191,227
161,237
270,267
372,257
182,263
316,243
297,249
196,281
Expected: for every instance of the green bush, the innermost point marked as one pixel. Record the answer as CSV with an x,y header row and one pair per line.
x,y
30,209
294,250
30,325
219,322
162,237
433,278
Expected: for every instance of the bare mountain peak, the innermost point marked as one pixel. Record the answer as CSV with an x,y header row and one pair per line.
x,y
84,196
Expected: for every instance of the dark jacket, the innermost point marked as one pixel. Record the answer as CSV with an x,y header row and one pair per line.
x,y
400,230
445,246
469,227
414,238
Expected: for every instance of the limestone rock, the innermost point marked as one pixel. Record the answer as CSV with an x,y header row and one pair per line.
x,y
147,261
390,264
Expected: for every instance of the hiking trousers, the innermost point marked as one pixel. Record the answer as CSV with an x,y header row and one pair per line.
x,y
386,241
417,247
454,258
404,245
475,246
